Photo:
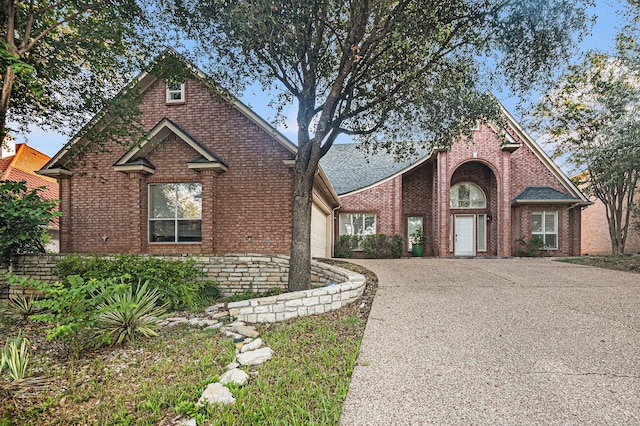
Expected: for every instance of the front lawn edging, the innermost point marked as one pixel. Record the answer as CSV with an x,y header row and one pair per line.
x,y
301,303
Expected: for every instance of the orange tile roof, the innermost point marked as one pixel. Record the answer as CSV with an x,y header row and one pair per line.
x,y
23,166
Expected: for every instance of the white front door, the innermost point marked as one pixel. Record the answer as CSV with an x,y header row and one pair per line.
x,y
464,239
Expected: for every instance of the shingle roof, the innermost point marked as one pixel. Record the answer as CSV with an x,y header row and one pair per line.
x,y
349,168
543,193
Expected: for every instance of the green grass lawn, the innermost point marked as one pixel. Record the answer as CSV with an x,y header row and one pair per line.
x,y
628,263
157,381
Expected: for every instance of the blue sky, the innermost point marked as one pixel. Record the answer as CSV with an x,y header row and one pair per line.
x,y
602,37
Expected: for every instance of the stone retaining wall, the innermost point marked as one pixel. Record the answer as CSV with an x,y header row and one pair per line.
x,y
300,303
234,273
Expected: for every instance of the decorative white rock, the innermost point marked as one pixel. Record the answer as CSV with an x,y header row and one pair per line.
x,y
252,346
235,376
255,357
233,365
246,331
215,393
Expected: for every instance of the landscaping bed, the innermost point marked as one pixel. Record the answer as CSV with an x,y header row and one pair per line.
x,y
158,380
627,263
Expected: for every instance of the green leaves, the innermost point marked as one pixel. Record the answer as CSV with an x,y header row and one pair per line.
x,y
15,357
125,315
24,216
593,118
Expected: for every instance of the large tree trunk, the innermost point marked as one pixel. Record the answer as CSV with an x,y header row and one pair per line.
x,y
7,86
300,263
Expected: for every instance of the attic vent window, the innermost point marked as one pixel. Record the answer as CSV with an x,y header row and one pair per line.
x,y
175,93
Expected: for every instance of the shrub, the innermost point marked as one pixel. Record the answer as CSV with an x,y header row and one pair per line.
x,y
15,357
24,216
179,283
130,313
71,308
381,246
343,247
530,248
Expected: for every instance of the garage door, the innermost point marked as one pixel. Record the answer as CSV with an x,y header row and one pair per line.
x,y
319,219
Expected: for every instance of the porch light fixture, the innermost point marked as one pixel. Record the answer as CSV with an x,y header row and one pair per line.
x,y
489,217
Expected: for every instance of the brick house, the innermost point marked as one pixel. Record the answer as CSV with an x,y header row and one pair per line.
x,y
19,162
211,177
475,199
595,231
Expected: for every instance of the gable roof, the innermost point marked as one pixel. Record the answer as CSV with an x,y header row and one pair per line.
x,y
350,169
134,159
543,194
143,81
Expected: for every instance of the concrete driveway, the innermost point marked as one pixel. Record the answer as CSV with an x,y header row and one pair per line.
x,y
498,341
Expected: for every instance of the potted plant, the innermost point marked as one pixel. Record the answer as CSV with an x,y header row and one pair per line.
x,y
417,242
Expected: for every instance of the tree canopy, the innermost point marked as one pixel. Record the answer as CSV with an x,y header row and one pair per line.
x,y
385,72
593,121
62,62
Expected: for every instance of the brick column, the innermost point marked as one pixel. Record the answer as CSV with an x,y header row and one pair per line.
x,y
138,212
208,205
398,226
64,221
504,207
442,201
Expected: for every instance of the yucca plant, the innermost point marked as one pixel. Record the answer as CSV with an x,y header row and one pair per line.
x,y
21,307
125,315
15,357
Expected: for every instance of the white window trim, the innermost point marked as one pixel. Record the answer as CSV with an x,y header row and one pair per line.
x,y
409,244
467,208
481,218
175,219
170,91
364,216
544,233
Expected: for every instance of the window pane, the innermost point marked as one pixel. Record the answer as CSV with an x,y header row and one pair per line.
x,y
413,224
463,195
369,224
163,201
189,200
482,239
345,224
550,241
477,197
189,230
536,222
357,223
550,222
466,195
162,231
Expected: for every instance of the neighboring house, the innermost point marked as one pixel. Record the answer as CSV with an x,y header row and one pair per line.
x,y
475,199
212,177
595,231
19,162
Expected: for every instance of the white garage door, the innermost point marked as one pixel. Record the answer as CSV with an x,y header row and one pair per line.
x,y
319,219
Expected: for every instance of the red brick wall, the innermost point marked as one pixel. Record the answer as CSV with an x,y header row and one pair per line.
x,y
382,200
417,200
252,198
568,228
501,175
595,231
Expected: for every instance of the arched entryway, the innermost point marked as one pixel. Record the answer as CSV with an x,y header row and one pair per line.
x,y
472,206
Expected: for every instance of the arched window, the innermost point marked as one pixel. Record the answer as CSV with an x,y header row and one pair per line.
x,y
466,195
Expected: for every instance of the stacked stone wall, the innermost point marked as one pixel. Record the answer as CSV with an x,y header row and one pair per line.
x,y
234,273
